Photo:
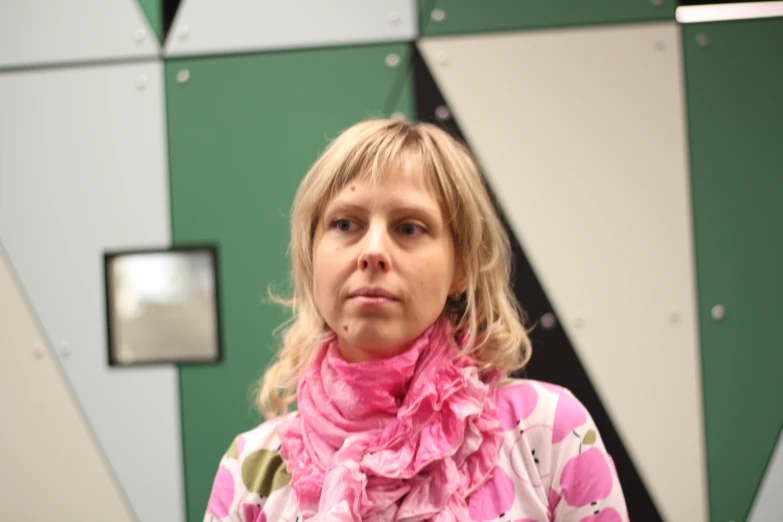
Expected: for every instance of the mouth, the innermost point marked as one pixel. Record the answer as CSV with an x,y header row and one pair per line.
x,y
374,293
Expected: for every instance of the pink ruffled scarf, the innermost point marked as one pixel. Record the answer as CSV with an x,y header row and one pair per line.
x,y
405,438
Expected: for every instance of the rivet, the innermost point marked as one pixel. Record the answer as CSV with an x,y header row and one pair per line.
x,y
579,321
183,76
718,312
392,60
674,316
702,40
393,16
548,320
442,58
659,45
38,350
656,2
398,116
442,112
140,34
183,31
65,348
438,15
141,81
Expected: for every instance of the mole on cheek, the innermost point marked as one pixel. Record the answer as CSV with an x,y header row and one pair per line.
x,y
345,327
353,188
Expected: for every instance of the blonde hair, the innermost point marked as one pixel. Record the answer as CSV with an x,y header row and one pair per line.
x,y
488,313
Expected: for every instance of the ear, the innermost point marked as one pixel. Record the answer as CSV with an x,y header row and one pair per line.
x,y
459,281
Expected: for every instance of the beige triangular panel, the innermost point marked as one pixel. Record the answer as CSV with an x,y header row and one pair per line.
x,y
50,466
581,133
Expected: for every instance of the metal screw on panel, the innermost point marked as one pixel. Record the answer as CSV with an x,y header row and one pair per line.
x,y
141,81
393,16
659,45
392,60
183,31
702,40
442,58
548,321
140,34
183,76
398,116
718,312
674,316
438,15
442,112
38,350
65,349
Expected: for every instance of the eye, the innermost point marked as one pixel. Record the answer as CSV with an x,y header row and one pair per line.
x,y
409,229
343,225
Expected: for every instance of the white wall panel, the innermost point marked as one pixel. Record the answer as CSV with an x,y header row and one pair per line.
x,y
43,32
208,27
83,169
768,504
582,135
52,468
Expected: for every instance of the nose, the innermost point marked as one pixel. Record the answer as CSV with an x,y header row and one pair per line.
x,y
375,253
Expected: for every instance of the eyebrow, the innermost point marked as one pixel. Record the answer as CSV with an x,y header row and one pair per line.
x,y
431,211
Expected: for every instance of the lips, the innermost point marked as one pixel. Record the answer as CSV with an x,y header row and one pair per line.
x,y
373,292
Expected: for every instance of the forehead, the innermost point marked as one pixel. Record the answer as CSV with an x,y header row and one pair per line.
x,y
404,180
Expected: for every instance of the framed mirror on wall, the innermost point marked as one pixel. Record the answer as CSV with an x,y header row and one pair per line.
x,y
162,306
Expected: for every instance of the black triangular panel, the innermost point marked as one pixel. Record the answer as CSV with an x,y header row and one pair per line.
x,y
169,12
554,358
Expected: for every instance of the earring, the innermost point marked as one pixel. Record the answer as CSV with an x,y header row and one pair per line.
x,y
456,296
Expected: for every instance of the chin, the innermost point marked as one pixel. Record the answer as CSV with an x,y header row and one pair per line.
x,y
372,344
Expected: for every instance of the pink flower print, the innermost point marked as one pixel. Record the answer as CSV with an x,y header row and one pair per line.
x,y
568,415
586,479
515,404
492,499
222,493
254,513
605,515
554,500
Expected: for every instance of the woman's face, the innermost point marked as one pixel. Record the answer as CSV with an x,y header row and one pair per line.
x,y
383,265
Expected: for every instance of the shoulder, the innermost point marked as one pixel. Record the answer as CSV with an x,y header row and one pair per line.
x,y
262,437
537,403
250,471
554,450
257,454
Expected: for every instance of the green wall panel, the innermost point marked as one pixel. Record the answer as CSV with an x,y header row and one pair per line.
x,y
471,16
154,12
735,110
243,130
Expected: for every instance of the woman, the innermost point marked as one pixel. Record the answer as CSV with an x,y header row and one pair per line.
x,y
403,336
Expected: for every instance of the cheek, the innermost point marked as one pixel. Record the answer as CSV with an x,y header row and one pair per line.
x,y
326,270
435,275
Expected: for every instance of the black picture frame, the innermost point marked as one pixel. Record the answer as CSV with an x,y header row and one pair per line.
x,y
111,318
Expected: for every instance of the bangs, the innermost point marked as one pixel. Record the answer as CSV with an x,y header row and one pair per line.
x,y
379,156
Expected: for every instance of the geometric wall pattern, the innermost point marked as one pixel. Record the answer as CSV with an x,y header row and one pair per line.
x,y
606,179
52,466
635,160
769,504
555,358
56,33
83,170
204,27
736,154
